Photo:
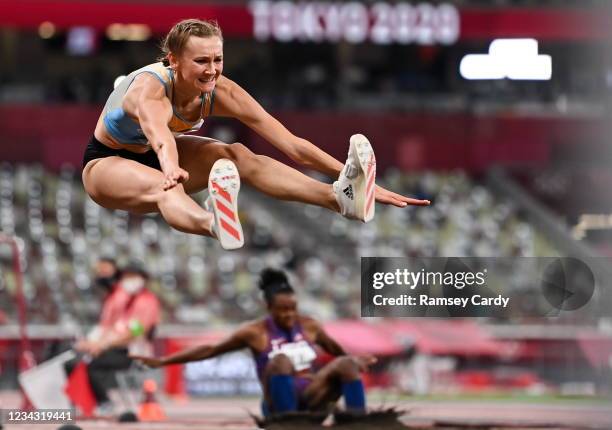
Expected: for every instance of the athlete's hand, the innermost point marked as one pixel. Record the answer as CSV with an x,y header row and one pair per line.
x,y
147,361
390,198
174,175
365,361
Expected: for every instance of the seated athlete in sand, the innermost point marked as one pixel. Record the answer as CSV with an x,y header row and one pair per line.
x,y
285,346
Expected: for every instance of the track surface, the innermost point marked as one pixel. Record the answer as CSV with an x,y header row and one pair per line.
x,y
232,414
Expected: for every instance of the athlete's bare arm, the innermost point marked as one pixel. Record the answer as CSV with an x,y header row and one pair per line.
x,y
332,347
147,102
244,337
321,338
234,101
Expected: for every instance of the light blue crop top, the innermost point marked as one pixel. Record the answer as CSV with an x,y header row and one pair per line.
x,y
126,130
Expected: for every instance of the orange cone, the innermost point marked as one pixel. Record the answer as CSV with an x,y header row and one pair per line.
x,y
150,410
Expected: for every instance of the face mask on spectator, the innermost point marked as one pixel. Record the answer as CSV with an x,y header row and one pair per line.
x,y
132,285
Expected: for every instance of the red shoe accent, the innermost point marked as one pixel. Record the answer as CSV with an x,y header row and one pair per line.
x,y
222,192
231,230
226,211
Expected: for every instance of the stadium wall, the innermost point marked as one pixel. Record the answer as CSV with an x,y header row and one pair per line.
x,y
54,135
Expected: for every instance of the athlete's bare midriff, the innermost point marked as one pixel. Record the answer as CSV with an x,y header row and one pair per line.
x,y
105,138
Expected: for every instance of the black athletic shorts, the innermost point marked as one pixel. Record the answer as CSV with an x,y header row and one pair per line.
x,y
96,149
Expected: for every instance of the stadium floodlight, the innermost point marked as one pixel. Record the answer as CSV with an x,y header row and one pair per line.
x,y
515,59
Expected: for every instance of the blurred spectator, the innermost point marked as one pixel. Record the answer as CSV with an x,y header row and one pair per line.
x,y
127,323
106,276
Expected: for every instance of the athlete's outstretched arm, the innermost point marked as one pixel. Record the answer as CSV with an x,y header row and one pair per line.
x,y
233,101
234,342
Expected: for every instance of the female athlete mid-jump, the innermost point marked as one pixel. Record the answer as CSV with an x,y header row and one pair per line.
x,y
140,159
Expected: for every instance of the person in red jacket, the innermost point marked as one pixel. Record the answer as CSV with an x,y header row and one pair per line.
x,y
127,323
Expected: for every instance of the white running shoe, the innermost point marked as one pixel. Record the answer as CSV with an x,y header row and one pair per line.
x,y
223,187
355,187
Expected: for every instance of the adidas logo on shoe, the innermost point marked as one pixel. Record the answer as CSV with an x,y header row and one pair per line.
x,y
355,188
348,191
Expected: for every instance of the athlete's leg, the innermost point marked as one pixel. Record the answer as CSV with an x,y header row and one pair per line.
x,y
271,177
339,377
118,183
279,389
